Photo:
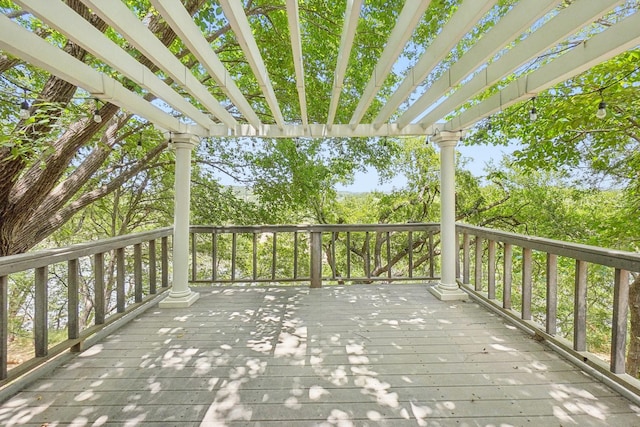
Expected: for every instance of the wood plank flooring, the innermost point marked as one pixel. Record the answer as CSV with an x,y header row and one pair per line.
x,y
374,355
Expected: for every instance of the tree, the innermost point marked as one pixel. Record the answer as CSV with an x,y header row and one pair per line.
x,y
50,161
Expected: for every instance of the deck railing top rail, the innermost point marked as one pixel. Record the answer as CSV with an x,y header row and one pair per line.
x,y
31,260
325,228
624,260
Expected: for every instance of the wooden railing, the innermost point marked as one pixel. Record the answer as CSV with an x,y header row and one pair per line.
x,y
529,278
315,253
550,287
134,260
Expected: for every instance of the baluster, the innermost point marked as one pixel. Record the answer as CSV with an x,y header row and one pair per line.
x,y
466,258
274,258
619,327
457,255
552,294
99,303
348,244
152,268
214,257
367,255
580,308
40,319
4,325
120,291
316,259
491,279
389,255
410,251
165,261
295,255
73,328
507,279
234,241
431,256
254,256
478,264
194,258
527,280
137,271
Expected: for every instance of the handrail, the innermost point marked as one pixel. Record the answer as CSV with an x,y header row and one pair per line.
x,y
14,263
383,250
87,259
488,246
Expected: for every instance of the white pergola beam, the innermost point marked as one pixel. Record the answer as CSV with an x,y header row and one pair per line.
x,y
122,19
293,17
238,19
325,131
181,22
409,17
61,17
462,21
519,18
28,46
567,22
351,16
613,41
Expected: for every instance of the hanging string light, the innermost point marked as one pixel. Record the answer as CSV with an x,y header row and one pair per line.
x,y
533,113
602,107
24,108
96,115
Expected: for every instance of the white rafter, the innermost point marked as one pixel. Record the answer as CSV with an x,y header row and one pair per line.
x,y
519,18
566,23
238,19
178,18
601,47
462,21
445,95
402,31
351,15
118,15
296,47
26,45
61,17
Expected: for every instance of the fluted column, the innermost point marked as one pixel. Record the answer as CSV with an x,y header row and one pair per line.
x,y
448,288
180,294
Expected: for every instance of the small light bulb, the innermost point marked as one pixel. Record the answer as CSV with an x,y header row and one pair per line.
x,y
24,110
97,117
533,114
602,110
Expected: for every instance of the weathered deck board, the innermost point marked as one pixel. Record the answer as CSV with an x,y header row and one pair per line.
x,y
360,355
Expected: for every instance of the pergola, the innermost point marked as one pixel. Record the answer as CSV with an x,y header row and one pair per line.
x,y
432,99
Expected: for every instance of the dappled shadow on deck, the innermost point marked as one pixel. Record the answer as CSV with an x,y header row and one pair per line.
x,y
360,355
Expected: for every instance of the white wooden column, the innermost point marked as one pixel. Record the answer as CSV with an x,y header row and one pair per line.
x,y
448,289
180,294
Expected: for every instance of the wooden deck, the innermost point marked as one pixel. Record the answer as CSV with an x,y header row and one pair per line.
x,y
360,355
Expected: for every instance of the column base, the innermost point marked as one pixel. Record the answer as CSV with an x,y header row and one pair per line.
x,y
448,293
180,301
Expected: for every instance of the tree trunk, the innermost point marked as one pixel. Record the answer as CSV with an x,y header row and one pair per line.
x,y
633,352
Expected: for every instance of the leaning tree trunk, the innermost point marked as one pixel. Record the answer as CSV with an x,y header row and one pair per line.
x,y
633,353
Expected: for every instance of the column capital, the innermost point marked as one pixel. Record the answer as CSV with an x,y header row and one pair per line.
x,y
183,140
447,138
